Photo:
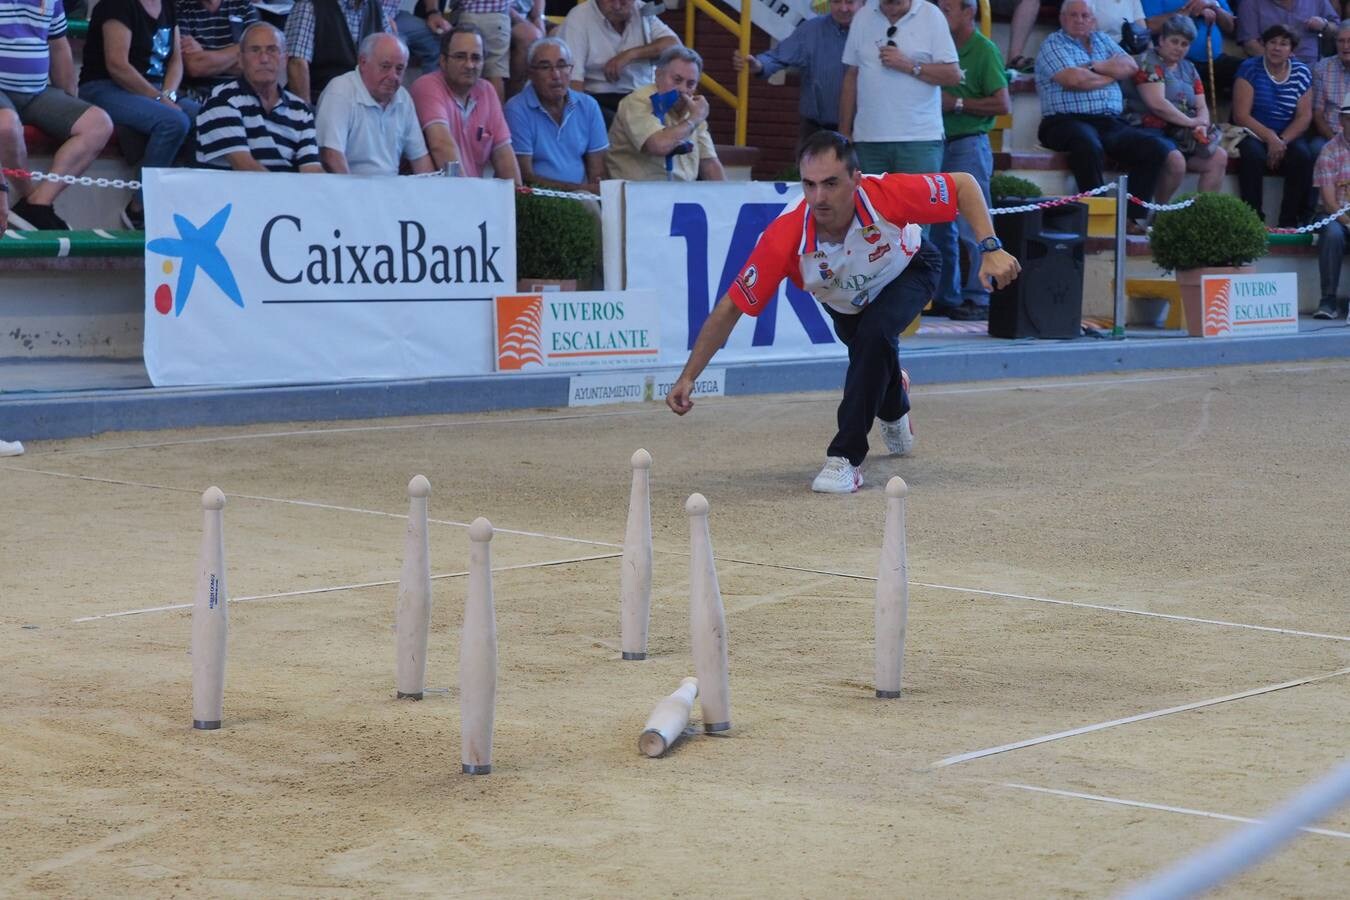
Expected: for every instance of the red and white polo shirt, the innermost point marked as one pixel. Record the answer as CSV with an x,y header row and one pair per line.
x,y
884,236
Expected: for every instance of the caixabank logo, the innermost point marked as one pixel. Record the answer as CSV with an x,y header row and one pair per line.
x,y
195,249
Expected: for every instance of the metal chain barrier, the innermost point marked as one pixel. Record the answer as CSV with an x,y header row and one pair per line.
x,y
1160,207
1058,201
1313,226
82,180
566,195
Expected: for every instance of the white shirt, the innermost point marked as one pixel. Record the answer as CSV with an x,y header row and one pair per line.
x,y
594,42
372,137
1110,13
896,106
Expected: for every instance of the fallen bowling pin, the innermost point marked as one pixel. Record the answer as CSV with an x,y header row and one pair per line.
x,y
668,720
412,613
635,572
707,621
210,624
478,656
892,593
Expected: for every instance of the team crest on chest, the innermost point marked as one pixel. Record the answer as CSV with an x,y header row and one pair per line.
x,y
871,234
826,272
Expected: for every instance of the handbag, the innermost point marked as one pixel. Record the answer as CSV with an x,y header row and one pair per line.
x,y
1134,38
1189,144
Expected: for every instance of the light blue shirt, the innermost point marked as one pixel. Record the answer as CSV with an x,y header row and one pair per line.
x,y
557,151
816,47
1197,52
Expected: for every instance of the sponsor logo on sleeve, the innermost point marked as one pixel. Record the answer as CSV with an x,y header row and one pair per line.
x,y
942,189
932,188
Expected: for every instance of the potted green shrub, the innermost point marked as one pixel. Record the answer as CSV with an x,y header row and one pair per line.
x,y
557,242
1217,234
1009,190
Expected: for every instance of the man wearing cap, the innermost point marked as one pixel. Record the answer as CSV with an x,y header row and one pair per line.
x,y
1331,177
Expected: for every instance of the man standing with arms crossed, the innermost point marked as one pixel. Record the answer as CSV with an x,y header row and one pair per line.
x,y
853,243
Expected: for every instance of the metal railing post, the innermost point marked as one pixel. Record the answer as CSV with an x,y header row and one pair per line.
x,y
1122,207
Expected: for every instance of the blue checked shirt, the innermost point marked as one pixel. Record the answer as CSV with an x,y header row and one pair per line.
x,y
300,24
816,47
1058,52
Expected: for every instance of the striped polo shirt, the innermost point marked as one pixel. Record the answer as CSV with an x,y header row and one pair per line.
x,y
212,29
1274,102
25,28
234,119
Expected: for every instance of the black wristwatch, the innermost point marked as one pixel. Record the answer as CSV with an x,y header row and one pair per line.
x,y
990,244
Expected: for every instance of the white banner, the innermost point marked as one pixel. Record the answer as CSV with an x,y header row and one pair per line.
x,y
576,330
688,242
779,17
285,278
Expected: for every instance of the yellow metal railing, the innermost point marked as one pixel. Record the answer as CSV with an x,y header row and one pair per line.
x,y
740,100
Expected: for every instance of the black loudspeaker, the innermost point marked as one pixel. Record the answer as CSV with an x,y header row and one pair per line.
x,y
1046,301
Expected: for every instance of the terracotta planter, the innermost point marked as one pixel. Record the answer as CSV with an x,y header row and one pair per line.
x,y
541,285
1189,281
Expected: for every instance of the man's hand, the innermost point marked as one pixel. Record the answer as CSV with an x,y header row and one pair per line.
x,y
1316,23
614,68
998,269
437,24
892,58
188,44
697,105
739,62
680,398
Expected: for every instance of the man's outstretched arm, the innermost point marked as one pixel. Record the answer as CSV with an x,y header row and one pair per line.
x,y
714,333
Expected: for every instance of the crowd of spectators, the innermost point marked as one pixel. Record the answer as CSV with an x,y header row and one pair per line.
x,y
612,92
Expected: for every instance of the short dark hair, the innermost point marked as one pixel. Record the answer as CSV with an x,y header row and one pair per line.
x,y
834,142
1279,31
461,29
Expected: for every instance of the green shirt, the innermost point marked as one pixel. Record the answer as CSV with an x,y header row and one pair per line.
x,y
982,64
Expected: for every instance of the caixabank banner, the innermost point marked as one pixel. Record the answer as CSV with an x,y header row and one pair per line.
x,y
270,278
1240,305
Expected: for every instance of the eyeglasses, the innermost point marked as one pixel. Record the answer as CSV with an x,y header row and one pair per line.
x,y
556,67
890,35
465,57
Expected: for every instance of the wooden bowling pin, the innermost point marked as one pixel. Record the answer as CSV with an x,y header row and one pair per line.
x,y
707,621
892,592
667,721
412,614
478,656
209,621
635,573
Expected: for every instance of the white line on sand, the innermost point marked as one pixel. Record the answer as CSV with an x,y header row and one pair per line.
x,y
343,587
1086,729
1139,804
311,504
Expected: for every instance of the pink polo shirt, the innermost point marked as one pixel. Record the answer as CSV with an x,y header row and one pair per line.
x,y
478,127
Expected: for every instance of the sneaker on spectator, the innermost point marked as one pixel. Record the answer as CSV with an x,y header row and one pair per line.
x,y
839,476
133,219
33,217
898,435
11,448
1342,307
1326,309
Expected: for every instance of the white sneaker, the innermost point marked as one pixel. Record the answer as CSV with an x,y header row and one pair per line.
x,y
898,435
11,448
838,477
